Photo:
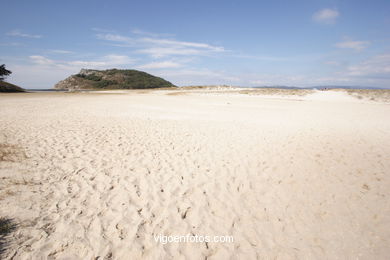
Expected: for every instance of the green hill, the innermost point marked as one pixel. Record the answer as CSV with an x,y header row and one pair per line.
x,y
9,88
112,79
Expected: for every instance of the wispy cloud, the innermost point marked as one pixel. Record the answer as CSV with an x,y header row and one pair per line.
x,y
102,30
161,47
326,16
114,60
260,58
13,44
150,34
333,63
61,51
160,52
372,71
374,67
196,76
160,65
275,79
167,42
41,60
17,33
25,74
115,38
351,44
104,62
85,64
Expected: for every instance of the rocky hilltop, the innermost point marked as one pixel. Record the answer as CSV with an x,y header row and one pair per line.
x,y
112,79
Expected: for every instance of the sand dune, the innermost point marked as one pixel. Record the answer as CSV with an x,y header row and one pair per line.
x,y
96,176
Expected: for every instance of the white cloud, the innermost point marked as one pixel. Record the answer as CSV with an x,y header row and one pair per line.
x,y
115,38
326,16
107,61
354,45
160,65
261,58
276,80
141,32
258,82
166,47
37,76
88,64
160,47
17,33
160,52
333,63
61,51
374,71
111,60
26,75
166,42
97,29
197,72
41,60
185,77
374,67
13,44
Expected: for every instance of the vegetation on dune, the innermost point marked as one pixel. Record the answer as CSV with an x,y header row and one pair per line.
x,y
381,95
277,91
6,227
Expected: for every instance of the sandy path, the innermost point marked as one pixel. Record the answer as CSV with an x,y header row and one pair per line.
x,y
97,175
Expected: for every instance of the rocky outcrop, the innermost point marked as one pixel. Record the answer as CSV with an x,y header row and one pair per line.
x,y
112,79
70,83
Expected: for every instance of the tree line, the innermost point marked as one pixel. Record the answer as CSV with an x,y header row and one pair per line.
x,y
4,72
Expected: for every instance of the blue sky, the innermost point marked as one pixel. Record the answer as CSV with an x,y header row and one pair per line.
x,y
241,43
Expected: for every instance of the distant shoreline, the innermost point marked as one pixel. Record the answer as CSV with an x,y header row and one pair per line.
x,y
208,86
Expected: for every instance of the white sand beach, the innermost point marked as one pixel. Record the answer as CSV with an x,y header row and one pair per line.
x,y
98,175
